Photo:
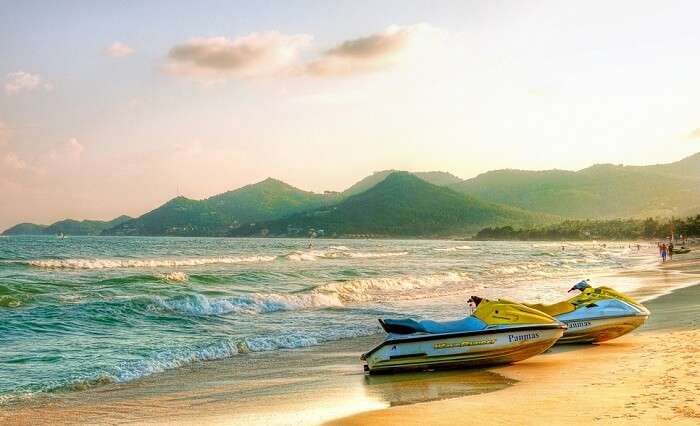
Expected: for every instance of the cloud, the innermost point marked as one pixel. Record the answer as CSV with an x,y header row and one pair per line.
x,y
394,46
273,54
20,80
12,166
13,162
75,148
188,150
261,54
119,49
695,134
4,134
70,150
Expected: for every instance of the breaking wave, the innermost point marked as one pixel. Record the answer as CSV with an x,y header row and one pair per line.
x,y
331,295
175,276
311,255
458,248
144,263
160,361
199,305
339,252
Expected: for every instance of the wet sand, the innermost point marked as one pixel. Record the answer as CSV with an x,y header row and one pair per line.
x,y
648,377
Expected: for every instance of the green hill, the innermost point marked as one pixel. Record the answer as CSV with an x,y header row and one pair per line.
x,y
25,229
266,200
218,215
600,191
66,227
400,205
436,178
417,204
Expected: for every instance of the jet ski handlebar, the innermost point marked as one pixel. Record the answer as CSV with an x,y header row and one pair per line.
x,y
580,286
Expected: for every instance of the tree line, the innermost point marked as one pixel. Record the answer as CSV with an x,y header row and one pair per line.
x,y
616,229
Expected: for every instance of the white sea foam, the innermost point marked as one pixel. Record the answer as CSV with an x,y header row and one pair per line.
x,y
144,263
250,304
335,253
330,295
169,359
311,255
175,276
374,289
166,360
378,255
457,248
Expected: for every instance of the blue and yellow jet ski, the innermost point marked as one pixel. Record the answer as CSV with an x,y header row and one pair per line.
x,y
498,332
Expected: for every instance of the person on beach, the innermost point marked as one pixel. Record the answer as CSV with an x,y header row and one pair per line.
x,y
670,251
663,252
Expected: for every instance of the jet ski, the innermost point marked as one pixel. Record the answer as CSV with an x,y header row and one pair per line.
x,y
596,314
498,332
681,250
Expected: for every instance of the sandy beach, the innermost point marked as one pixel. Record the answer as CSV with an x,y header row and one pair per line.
x,y
648,377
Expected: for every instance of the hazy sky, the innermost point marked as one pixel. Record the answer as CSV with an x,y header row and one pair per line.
x,y
109,107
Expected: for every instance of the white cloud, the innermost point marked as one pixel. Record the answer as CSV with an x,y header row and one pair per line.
x,y
119,49
695,134
12,161
4,134
396,45
273,54
20,80
188,150
70,150
213,59
75,148
12,166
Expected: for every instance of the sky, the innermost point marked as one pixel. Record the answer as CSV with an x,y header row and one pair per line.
x,y
110,108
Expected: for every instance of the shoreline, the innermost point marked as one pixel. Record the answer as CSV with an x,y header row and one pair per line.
x,y
322,383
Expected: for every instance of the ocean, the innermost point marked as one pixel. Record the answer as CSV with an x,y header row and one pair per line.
x,y
81,312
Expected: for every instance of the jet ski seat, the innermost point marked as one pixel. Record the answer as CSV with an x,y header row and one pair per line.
x,y
408,326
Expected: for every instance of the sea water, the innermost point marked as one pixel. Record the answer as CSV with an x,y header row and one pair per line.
x,y
84,311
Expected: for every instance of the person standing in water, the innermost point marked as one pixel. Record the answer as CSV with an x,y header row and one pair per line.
x,y
663,252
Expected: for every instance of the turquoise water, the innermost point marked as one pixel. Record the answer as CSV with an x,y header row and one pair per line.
x,y
82,311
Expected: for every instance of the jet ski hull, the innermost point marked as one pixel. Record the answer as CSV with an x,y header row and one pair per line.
x,y
596,330
462,349
681,251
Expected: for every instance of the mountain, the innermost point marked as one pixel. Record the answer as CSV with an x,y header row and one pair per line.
x,y
25,229
687,167
400,205
417,204
66,227
266,200
217,215
599,191
436,178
